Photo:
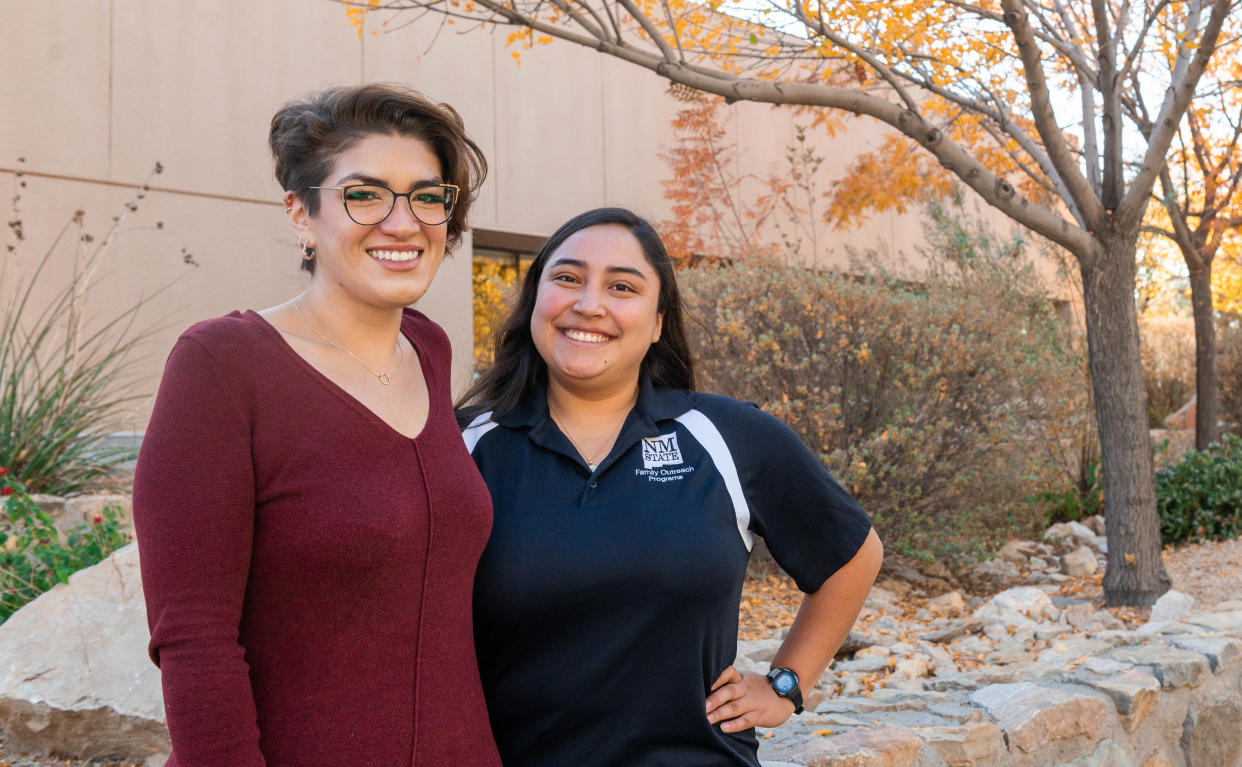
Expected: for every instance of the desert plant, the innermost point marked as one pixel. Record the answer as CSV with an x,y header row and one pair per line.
x,y
1200,496
33,555
65,379
922,398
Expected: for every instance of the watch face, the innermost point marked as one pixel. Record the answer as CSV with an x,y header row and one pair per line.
x,y
784,682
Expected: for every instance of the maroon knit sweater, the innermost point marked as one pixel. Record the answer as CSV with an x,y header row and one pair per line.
x,y
308,570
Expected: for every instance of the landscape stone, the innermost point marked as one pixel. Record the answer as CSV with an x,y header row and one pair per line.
x,y
1068,531
969,745
886,625
1019,607
950,604
52,505
1066,652
912,667
995,573
854,641
1158,759
1079,562
1007,657
1105,665
863,665
881,746
1134,693
1173,605
76,677
1106,754
1172,666
1096,523
881,599
1033,716
1015,552
82,509
1220,651
955,630
1211,736
899,589
1082,615
1219,621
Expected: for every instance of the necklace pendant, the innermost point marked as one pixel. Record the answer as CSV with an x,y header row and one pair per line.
x,y
383,378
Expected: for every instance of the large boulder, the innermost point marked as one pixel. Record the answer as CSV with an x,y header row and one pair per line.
x,y
75,678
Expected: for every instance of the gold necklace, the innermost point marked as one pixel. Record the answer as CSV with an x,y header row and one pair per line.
x,y
591,464
379,375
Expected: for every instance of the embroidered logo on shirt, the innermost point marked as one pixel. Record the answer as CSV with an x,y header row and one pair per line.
x,y
661,451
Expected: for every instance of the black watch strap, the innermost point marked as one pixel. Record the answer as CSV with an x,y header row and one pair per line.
x,y
784,682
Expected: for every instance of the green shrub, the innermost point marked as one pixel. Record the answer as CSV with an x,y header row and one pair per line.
x,y
1200,497
33,556
934,403
1082,499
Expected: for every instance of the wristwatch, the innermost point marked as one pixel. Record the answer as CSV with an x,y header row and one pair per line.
x,y
785,684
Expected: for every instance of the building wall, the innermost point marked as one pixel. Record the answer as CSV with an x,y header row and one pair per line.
x,y
99,91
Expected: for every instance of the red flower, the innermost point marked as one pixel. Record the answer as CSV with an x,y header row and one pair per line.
x,y
6,490
4,470
98,519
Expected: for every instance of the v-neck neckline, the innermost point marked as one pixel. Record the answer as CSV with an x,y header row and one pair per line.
x,y
339,391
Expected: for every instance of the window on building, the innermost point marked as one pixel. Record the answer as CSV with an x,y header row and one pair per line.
x,y
499,261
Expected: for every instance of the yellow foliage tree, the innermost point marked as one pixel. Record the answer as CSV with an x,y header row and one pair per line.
x,y
972,83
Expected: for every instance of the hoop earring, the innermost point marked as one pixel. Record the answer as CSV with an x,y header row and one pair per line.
x,y
308,252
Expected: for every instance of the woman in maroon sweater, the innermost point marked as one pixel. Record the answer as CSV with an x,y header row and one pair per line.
x,y
308,517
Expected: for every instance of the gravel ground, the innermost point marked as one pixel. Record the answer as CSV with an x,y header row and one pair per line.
x,y
1210,572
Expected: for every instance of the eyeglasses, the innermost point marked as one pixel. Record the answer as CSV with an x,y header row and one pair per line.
x,y
371,204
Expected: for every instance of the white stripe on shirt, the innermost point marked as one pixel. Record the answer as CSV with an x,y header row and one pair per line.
x,y
477,428
707,435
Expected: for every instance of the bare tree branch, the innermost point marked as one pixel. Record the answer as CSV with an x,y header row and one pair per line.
x,y
1059,154
1177,99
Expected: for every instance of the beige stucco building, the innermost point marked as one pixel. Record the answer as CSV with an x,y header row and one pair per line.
x,y
97,92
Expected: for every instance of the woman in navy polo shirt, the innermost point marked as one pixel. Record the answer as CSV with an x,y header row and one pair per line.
x,y
625,505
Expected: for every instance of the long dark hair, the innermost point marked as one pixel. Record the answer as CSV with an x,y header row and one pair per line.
x,y
518,369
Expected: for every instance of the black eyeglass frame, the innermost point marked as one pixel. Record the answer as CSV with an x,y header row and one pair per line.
x,y
452,191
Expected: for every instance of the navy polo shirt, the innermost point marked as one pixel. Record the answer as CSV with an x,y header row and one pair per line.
x,y
606,602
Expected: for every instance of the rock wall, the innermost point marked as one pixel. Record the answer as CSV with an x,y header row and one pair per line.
x,y
1166,695
1023,679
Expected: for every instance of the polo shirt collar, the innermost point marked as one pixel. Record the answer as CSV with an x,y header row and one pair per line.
x,y
653,406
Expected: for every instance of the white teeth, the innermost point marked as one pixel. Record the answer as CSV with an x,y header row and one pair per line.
x,y
395,255
581,335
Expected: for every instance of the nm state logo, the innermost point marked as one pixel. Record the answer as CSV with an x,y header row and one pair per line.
x,y
661,451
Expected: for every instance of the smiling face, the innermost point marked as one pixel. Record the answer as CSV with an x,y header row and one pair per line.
x,y
596,311
387,265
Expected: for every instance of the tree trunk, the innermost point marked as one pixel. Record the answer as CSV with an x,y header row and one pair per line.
x,y
1207,393
1135,573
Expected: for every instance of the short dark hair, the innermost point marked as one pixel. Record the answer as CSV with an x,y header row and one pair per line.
x,y
518,369
309,132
